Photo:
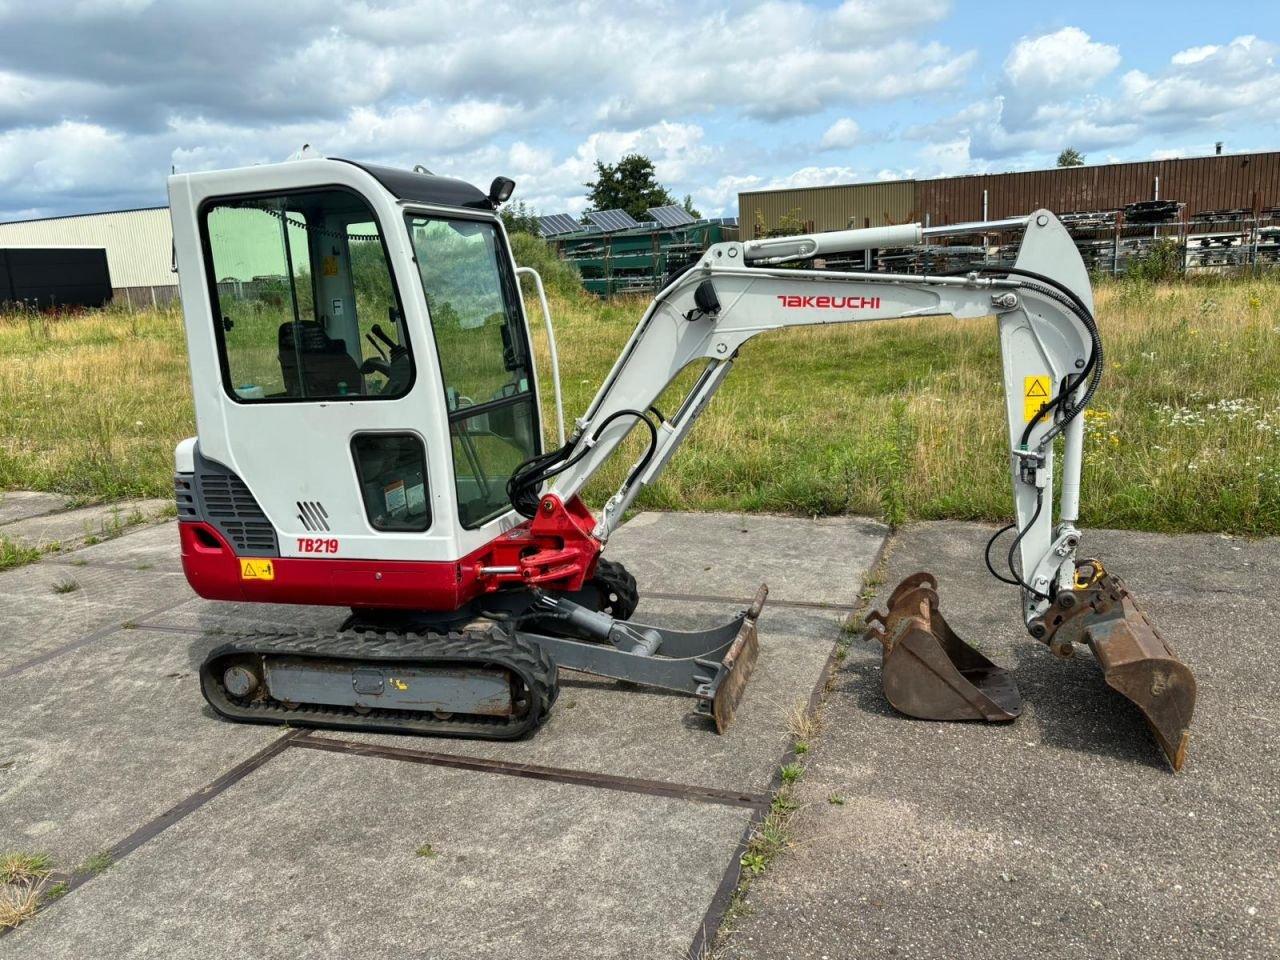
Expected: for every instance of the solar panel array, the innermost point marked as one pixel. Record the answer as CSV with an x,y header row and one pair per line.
x,y
672,216
611,220
557,223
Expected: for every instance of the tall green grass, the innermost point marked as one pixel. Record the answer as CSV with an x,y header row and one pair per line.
x,y
899,420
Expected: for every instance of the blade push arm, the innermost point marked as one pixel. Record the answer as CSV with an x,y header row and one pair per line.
x,y
710,312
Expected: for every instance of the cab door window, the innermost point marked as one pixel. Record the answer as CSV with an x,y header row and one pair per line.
x,y
484,359
305,303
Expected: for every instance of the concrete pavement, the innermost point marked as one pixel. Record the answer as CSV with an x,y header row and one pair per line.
x,y
1063,834
615,831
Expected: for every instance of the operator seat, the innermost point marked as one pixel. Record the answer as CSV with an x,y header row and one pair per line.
x,y
325,362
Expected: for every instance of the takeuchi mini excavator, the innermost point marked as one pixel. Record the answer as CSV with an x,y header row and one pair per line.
x,y
370,437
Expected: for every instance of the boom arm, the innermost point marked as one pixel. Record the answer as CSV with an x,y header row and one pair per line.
x,y
706,316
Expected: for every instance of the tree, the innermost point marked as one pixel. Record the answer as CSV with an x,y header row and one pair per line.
x,y
689,208
519,217
628,185
1071,157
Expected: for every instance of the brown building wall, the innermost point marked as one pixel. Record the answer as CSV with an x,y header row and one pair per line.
x,y
1203,183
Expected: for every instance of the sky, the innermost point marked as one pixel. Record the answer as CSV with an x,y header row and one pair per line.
x,y
99,99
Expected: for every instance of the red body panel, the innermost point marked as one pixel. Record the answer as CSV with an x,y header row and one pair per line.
x,y
555,550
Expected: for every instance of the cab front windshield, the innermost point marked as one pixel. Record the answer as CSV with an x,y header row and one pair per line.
x,y
484,354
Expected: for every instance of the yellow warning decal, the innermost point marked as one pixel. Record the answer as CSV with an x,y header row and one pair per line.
x,y
257,570
1035,393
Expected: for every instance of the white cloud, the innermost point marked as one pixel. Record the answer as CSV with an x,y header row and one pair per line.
x,y
864,18
1051,96
1068,56
1194,55
1240,76
723,194
841,134
82,159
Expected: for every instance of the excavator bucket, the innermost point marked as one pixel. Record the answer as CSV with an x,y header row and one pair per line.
x,y
928,671
1138,663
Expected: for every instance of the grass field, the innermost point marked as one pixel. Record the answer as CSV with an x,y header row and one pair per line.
x,y
900,420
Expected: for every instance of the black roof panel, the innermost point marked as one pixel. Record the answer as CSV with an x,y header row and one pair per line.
x,y
425,187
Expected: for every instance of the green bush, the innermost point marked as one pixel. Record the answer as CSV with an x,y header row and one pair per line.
x,y
1163,261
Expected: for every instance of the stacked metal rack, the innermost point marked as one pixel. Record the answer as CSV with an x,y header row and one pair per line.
x,y
1109,241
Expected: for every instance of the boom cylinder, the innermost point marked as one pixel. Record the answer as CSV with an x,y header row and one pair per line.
x,y
777,249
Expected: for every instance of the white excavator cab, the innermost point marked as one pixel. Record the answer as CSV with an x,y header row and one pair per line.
x,y
364,327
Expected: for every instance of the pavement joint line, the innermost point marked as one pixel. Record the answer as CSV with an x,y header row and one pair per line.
x,y
581,778
55,560
180,810
83,641
744,601
709,928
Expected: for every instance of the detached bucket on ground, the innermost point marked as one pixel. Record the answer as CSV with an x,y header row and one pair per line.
x,y
928,671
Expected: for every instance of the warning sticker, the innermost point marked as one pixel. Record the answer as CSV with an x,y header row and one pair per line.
x,y
1035,394
395,497
329,266
257,570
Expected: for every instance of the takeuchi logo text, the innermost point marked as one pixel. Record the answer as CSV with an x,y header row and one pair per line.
x,y
829,303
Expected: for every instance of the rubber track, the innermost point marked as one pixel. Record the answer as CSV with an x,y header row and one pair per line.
x,y
475,648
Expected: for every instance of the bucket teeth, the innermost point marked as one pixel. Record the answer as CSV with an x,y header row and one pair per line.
x,y
928,671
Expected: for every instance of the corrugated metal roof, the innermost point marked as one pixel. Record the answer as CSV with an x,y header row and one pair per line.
x,y
139,243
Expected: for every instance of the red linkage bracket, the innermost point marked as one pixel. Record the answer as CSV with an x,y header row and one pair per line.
x,y
557,547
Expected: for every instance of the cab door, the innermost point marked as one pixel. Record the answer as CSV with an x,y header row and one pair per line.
x,y
319,391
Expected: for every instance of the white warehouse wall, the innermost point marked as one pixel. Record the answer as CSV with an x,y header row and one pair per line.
x,y
139,243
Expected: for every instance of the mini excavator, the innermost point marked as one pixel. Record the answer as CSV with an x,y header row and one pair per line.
x,y
370,436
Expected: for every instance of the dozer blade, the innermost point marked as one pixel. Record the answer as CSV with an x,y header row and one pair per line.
x,y
711,665
737,665
928,671
1137,662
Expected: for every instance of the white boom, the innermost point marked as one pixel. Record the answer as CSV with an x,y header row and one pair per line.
x,y
713,309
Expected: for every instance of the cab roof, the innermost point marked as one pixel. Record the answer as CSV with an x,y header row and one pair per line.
x,y
425,187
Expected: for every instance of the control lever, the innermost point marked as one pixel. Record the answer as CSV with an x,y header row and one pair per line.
x,y
376,346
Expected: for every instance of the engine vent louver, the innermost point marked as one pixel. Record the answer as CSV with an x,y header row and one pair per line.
x,y
312,515
230,507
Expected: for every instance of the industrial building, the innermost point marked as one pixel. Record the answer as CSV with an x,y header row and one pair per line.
x,y
1224,209
139,246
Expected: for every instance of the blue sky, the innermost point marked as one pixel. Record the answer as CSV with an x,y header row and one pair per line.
x,y
99,98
